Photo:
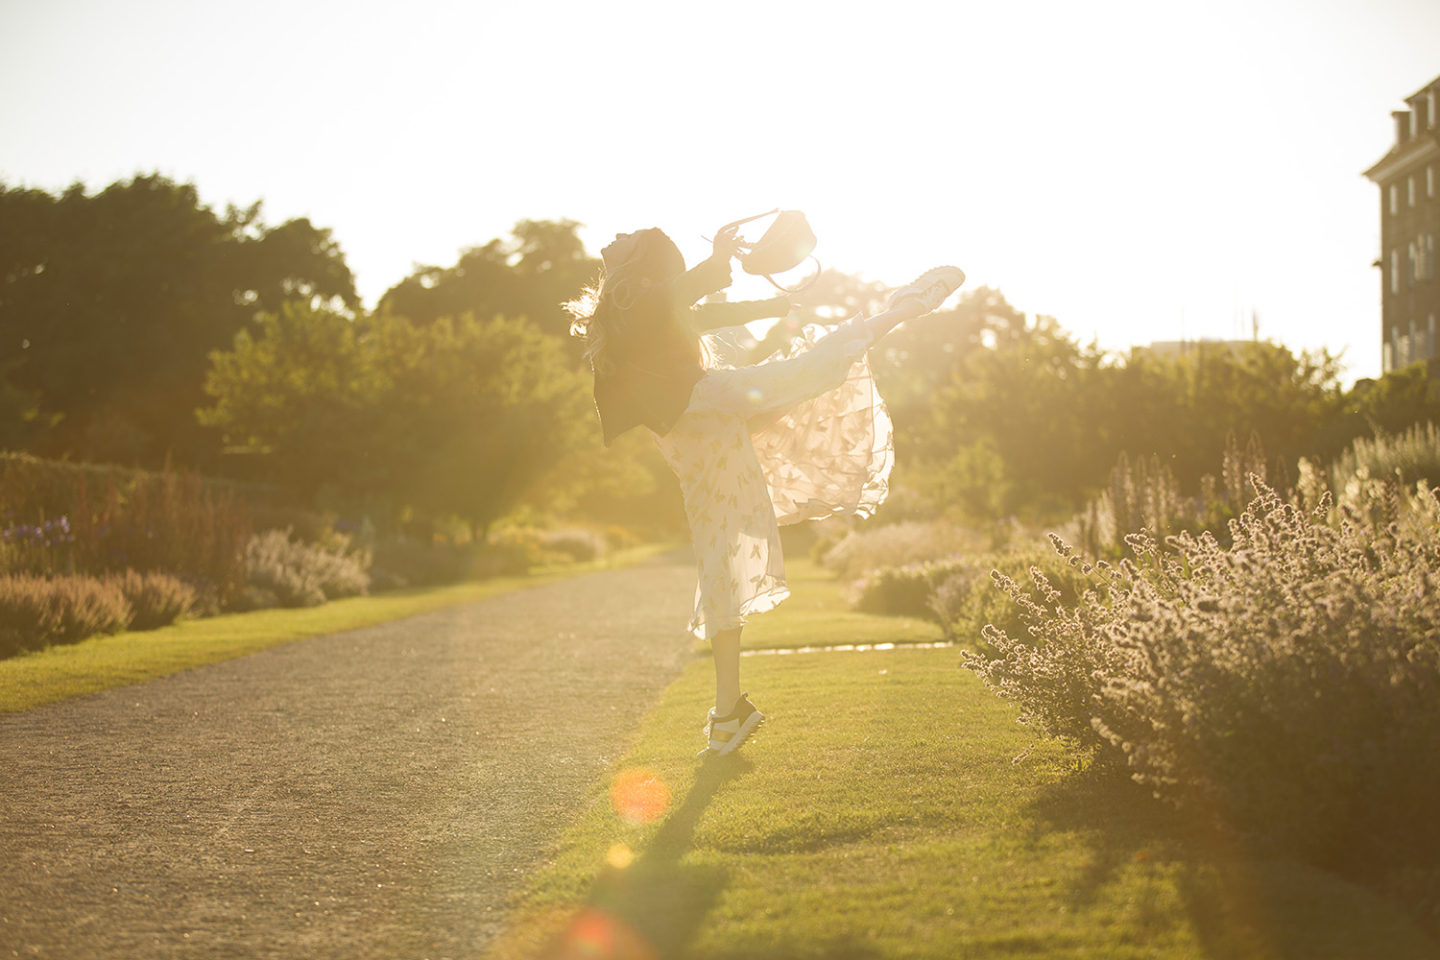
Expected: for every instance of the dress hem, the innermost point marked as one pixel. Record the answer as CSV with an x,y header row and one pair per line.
x,y
763,603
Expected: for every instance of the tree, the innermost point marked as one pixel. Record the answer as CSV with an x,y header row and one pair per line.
x,y
480,412
542,265
1027,420
462,418
1390,405
114,301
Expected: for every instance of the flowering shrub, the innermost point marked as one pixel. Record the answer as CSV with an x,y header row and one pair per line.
x,y
406,562
63,518
156,599
36,612
964,601
1285,685
300,574
36,547
1409,458
906,590
1144,494
576,544
514,550
872,548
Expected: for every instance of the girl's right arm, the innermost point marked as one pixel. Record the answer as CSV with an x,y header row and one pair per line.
x,y
711,274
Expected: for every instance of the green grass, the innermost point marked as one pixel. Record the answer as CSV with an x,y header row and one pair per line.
x,y
100,663
818,615
880,813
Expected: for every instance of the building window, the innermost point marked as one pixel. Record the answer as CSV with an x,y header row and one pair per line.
x,y
1410,190
1430,338
1429,181
1394,271
1394,198
1411,265
1412,351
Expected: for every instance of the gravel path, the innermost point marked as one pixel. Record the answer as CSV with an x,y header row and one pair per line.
x,y
375,793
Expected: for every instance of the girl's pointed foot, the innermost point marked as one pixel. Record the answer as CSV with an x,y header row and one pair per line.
x,y
930,289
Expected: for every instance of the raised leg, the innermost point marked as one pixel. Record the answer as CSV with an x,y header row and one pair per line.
x,y
883,323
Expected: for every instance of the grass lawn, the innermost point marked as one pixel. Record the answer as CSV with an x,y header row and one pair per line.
x,y
880,813
818,615
60,672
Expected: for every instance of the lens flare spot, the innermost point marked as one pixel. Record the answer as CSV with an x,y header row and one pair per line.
x,y
639,795
620,856
755,395
597,935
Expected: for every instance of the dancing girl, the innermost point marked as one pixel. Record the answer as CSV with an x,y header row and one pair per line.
x,y
795,437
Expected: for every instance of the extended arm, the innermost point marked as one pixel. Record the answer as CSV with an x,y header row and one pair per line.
x,y
708,316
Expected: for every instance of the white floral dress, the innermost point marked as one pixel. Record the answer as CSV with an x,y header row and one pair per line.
x,y
799,436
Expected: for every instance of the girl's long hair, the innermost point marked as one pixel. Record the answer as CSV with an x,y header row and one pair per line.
x,y
610,303
588,321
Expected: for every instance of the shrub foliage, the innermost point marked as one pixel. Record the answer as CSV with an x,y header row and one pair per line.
x,y
155,599
1285,684
64,518
292,573
36,612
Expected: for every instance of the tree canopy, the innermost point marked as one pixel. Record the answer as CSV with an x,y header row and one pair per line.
x,y
1012,414
458,418
540,266
125,310
110,304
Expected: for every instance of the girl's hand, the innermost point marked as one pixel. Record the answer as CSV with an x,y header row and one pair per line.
x,y
727,242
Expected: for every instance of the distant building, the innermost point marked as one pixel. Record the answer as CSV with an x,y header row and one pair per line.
x,y
1409,224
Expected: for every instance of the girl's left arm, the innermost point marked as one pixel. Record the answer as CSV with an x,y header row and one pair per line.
x,y
708,316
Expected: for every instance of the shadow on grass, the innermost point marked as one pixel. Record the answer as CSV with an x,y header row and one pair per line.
x,y
1237,900
1116,818
651,908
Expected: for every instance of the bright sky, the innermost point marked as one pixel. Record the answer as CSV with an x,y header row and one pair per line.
x,y
1141,171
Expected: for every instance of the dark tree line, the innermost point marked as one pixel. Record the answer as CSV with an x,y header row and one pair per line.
x,y
139,326
111,303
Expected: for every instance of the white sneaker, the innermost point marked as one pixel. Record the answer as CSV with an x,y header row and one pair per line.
x,y
728,732
930,288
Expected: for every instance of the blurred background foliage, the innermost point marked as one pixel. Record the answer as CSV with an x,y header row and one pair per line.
x,y
142,328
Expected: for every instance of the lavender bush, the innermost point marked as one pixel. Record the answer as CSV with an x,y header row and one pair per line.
x,y
1411,456
1285,685
1144,494
298,574
965,600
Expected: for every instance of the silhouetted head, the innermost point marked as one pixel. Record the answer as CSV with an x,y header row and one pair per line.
x,y
645,255
635,264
